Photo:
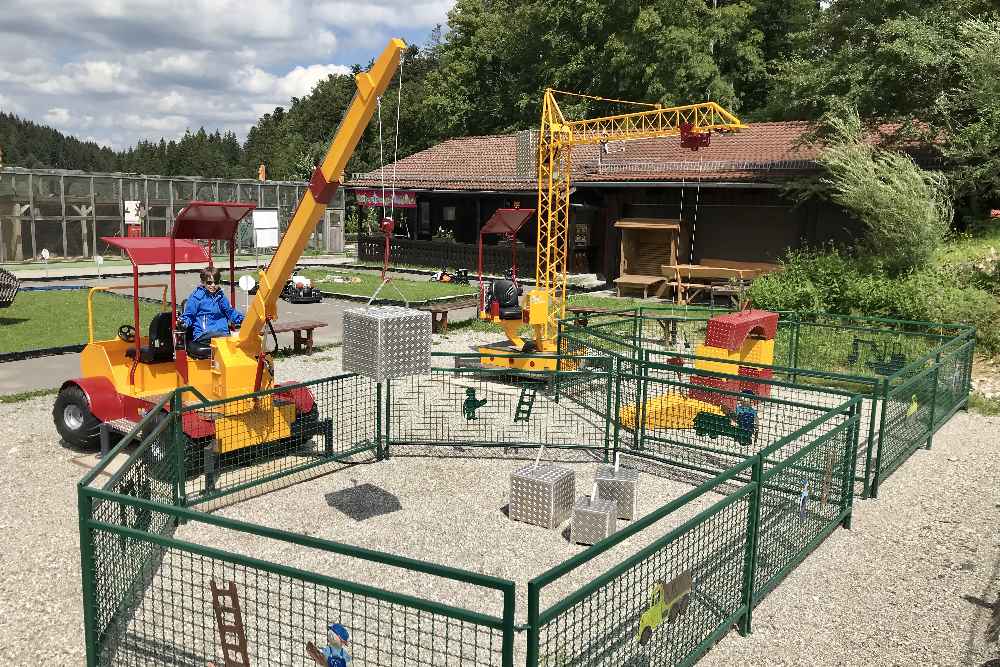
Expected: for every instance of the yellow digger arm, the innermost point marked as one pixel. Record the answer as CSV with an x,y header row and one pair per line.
x,y
324,183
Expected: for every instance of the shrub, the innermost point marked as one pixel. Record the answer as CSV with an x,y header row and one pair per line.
x,y
831,282
906,211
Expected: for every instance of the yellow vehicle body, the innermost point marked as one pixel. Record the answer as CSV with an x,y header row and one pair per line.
x,y
114,385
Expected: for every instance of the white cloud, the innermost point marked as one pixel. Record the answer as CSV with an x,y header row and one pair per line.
x,y
119,71
57,116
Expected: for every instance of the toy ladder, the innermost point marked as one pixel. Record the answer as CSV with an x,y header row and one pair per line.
x,y
231,634
524,404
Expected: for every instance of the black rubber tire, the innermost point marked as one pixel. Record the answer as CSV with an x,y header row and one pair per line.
x,y
85,435
645,636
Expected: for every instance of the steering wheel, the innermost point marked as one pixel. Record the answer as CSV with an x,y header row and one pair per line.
x,y
127,333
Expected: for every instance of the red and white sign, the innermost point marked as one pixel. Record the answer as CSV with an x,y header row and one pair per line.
x,y
995,213
373,198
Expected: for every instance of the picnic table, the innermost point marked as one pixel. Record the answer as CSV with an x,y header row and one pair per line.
x,y
302,332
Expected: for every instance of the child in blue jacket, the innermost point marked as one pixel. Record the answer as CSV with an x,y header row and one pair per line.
x,y
207,312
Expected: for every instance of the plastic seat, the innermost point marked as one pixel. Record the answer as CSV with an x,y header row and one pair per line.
x,y
160,344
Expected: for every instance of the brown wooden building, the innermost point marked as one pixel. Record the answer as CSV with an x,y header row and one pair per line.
x,y
728,197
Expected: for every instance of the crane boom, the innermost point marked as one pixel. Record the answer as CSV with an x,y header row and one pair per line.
x,y
557,136
324,183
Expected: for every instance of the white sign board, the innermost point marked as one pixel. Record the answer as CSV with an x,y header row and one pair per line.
x,y
132,209
265,228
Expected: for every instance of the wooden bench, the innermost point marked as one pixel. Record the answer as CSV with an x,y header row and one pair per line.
x,y
633,281
439,312
302,332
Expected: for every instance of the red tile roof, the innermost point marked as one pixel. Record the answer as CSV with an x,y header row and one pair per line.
x,y
761,152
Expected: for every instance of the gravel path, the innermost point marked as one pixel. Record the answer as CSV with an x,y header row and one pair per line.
x,y
916,581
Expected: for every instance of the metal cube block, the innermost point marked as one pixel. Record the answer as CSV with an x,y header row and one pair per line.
x,y
593,520
387,341
620,487
542,495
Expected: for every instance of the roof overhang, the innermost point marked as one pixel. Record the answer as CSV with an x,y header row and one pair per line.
x,y
210,220
146,250
648,223
506,221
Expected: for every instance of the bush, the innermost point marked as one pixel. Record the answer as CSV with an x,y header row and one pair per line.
x,y
906,211
831,282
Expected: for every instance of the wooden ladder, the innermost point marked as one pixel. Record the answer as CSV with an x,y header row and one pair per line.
x,y
229,621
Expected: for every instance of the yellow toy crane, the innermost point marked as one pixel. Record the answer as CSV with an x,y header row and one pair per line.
x,y
546,303
121,379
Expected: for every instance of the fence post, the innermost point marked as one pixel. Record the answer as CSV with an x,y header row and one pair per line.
x,y
934,386
616,415
750,558
873,411
796,327
881,437
378,419
507,657
850,463
640,406
608,378
179,446
85,510
532,639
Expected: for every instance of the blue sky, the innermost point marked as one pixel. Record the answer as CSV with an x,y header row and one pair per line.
x,y
116,72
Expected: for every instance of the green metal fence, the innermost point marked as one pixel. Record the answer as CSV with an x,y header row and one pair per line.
x,y
871,357
764,496
148,596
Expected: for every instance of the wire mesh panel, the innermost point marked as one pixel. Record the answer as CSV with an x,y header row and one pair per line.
x,y
706,427
491,407
239,444
908,420
167,615
805,493
660,606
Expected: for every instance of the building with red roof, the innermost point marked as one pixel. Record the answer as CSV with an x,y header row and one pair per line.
x,y
728,196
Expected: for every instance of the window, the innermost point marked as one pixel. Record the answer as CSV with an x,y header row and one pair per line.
x,y
448,213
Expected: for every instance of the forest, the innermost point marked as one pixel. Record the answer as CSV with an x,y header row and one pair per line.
x,y
929,67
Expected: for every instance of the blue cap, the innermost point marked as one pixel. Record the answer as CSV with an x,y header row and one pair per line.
x,y
339,630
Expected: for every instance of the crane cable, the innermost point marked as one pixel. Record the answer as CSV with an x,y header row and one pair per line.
x,y
386,225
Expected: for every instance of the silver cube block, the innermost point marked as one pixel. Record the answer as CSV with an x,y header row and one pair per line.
x,y
542,496
387,341
620,487
593,520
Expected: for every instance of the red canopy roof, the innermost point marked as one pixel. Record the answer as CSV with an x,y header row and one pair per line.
x,y
216,220
507,220
146,250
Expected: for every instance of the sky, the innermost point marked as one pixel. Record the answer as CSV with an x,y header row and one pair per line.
x,y
116,72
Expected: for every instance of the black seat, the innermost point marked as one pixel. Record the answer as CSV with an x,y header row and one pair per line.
x,y
160,345
505,293
197,349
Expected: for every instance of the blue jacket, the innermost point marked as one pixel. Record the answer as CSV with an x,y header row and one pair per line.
x,y
209,313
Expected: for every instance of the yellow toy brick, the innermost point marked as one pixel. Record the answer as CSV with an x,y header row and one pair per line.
x,y
668,411
758,351
720,353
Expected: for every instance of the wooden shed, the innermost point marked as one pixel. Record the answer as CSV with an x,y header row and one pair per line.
x,y
647,245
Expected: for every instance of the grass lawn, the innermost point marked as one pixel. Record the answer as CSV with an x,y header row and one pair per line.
x,y
413,290
38,320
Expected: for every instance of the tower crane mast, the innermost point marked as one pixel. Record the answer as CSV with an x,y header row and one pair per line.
x,y
546,303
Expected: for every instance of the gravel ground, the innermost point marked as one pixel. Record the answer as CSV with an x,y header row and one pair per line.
x,y
916,581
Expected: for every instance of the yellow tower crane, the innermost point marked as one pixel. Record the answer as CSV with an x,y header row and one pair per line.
x,y
546,303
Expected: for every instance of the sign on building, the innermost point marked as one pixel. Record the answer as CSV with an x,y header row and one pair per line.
x,y
373,198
